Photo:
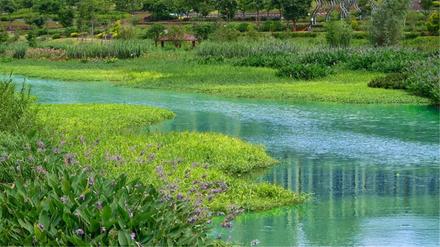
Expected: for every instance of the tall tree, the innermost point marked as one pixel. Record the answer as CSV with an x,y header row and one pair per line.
x,y
128,5
8,6
295,9
227,8
387,22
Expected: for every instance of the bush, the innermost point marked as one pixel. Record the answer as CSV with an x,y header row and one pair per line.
x,y
243,27
423,77
288,35
387,22
4,37
225,34
271,61
433,23
272,26
338,34
19,51
383,60
326,57
126,32
203,30
16,111
46,53
63,206
390,81
154,32
304,71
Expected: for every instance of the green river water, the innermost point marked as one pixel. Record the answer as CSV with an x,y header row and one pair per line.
x,y
373,170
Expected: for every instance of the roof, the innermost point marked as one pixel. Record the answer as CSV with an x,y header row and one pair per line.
x,y
185,37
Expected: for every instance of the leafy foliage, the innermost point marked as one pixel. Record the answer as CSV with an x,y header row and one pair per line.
x,y
304,71
17,113
387,22
338,34
390,81
423,78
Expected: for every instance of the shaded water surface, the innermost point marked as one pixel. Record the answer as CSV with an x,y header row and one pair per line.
x,y
373,169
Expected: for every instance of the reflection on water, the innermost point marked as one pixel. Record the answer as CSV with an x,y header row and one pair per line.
x,y
373,169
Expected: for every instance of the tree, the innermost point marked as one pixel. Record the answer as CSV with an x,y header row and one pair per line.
x,y
243,6
66,16
8,6
227,8
128,5
154,32
295,9
258,5
88,11
387,22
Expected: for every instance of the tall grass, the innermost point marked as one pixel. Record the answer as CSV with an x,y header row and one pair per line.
x,y
16,111
245,49
118,48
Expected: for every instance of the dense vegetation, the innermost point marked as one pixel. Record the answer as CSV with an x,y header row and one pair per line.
x,y
92,175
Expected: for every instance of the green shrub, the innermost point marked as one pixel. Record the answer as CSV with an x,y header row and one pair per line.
x,y
304,71
383,60
31,39
390,81
154,32
16,111
203,30
387,22
359,35
126,32
433,23
423,77
243,27
271,61
4,37
326,57
272,26
289,35
64,206
225,34
338,34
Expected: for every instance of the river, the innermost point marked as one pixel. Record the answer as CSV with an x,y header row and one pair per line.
x,y
373,170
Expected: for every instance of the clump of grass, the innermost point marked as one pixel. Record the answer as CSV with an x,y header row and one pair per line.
x,y
17,113
122,49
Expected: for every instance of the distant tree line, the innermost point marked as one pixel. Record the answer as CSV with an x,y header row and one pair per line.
x,y
86,11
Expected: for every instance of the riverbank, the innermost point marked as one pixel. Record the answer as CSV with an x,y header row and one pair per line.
x,y
111,138
178,71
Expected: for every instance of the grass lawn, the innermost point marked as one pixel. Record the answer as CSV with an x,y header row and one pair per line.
x,y
110,137
178,71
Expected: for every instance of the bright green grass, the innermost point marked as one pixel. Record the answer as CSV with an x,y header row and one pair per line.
x,y
178,71
110,137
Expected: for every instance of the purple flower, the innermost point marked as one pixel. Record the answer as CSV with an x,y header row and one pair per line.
x,y
103,229
41,146
64,199
133,236
226,224
40,226
82,197
69,159
179,197
159,171
99,205
56,150
91,181
192,220
41,170
79,232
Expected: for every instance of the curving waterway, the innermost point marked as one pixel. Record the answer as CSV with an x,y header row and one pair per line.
x,y
373,170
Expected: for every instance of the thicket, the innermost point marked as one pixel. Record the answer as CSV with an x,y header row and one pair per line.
x,y
48,198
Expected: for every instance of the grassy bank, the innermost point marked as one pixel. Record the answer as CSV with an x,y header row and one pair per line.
x,y
178,71
111,138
